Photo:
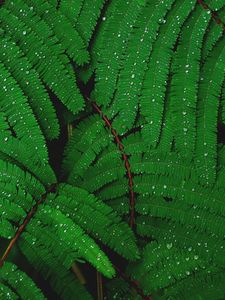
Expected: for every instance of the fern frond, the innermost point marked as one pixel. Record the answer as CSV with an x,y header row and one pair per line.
x,y
214,5
111,52
114,190
107,226
172,187
19,285
17,152
15,203
120,205
6,229
184,83
207,115
11,211
26,14
135,64
134,143
63,29
50,268
156,271
213,34
71,9
178,211
48,66
149,156
19,114
120,289
96,178
7,293
204,284
156,76
159,163
88,17
166,138
210,249
30,83
16,195
13,175
84,146
72,236
98,44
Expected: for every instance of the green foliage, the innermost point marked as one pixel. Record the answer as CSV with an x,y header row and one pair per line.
x,y
155,70
13,279
120,289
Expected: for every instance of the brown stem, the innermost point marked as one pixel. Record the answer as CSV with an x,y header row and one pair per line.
x,y
22,227
69,130
127,165
133,283
99,286
78,273
125,158
213,14
75,268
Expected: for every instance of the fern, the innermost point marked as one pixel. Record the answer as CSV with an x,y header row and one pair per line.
x,y
111,51
12,278
210,94
160,58
136,65
134,90
185,79
31,85
37,53
216,33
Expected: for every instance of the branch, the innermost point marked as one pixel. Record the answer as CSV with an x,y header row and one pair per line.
x,y
22,227
213,14
124,157
133,283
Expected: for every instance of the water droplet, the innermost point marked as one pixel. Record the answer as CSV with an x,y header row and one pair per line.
x,y
169,245
188,273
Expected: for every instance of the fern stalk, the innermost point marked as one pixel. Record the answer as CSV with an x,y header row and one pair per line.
x,y
213,14
126,162
69,130
78,273
22,227
99,286
134,284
